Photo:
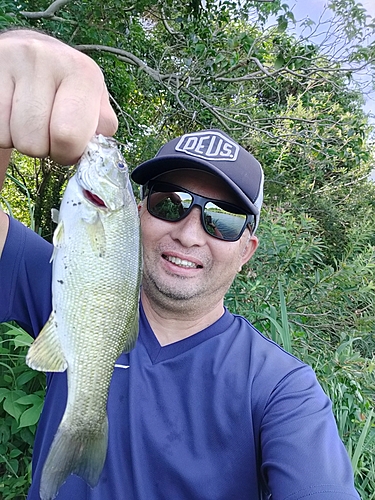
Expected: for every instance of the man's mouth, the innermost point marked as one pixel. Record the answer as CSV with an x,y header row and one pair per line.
x,y
182,262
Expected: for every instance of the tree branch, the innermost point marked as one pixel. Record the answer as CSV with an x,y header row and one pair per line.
x,y
48,13
127,57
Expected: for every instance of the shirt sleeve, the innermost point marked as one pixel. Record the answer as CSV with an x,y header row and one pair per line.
x,y
303,456
25,278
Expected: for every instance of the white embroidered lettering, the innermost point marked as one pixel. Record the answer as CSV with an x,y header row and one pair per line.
x,y
210,146
227,150
200,149
190,144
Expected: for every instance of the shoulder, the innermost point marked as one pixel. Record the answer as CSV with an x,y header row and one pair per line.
x,y
24,238
262,349
289,412
25,277
24,249
268,367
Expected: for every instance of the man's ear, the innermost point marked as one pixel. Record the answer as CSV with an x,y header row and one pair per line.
x,y
249,249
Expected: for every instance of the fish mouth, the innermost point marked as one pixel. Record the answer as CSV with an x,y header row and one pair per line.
x,y
93,198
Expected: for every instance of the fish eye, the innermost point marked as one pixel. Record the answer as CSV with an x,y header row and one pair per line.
x,y
121,166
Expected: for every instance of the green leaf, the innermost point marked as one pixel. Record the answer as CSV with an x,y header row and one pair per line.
x,y
29,399
31,415
282,23
200,48
10,404
273,329
26,376
3,393
15,453
4,433
286,337
360,445
279,62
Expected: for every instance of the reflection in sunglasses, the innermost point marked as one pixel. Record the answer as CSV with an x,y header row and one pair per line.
x,y
219,219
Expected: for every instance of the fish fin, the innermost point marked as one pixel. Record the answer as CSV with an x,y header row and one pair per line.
x,y
80,453
55,215
133,334
58,238
96,234
45,353
58,235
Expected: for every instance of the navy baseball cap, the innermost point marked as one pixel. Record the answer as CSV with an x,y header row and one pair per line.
x,y
215,152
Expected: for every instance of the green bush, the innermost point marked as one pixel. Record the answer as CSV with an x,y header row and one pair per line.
x,y
21,401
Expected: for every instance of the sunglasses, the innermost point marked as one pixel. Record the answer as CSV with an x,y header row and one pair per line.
x,y
173,203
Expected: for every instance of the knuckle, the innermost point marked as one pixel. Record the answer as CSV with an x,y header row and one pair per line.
x,y
65,136
33,149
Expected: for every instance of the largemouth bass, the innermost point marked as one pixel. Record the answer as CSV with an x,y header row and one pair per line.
x,y
95,293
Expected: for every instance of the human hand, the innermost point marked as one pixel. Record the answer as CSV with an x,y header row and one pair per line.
x,y
53,98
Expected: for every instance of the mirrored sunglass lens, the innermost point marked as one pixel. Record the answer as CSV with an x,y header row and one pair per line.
x,y
222,223
221,220
170,206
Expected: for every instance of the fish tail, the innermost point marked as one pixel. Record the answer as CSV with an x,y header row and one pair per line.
x,y
80,453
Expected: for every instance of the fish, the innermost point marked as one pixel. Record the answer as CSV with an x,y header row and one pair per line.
x,y
96,272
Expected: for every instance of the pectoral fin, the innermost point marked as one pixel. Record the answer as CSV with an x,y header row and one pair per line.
x,y
58,238
45,353
96,236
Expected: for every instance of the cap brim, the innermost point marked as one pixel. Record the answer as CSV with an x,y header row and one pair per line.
x,y
159,165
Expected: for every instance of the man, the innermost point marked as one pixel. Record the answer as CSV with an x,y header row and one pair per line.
x,y
204,407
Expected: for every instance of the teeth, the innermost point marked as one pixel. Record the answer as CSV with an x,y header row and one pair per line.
x,y
180,262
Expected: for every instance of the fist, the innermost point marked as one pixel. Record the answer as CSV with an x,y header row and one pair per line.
x,y
53,98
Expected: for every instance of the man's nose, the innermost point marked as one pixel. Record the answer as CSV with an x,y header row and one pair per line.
x,y
189,231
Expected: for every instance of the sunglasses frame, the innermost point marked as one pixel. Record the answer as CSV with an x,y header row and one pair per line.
x,y
197,201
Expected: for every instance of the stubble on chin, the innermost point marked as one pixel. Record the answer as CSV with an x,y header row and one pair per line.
x,y
170,297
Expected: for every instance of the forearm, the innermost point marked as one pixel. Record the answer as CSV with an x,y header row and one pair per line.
x,y
4,161
4,221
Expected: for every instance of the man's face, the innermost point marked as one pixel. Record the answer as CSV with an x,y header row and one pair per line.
x,y
183,266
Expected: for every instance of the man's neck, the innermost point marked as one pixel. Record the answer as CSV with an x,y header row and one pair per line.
x,y
169,326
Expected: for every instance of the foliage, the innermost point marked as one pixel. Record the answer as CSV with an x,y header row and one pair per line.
x,y
173,67
21,401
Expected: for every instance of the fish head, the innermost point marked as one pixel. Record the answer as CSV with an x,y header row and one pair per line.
x,y
103,175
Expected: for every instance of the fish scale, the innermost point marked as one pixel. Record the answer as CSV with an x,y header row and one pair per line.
x,y
95,293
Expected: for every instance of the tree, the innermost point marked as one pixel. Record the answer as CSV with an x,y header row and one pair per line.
x,y
173,67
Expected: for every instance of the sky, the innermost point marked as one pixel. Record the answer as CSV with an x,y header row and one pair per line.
x,y
314,9
370,6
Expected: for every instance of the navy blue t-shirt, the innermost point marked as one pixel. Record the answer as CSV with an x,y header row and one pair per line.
x,y
224,414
